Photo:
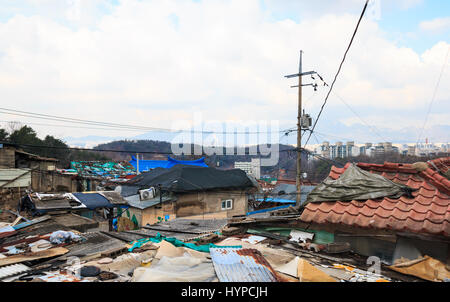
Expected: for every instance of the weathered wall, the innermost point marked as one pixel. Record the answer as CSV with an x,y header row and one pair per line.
x,y
137,213
48,181
210,202
154,214
7,158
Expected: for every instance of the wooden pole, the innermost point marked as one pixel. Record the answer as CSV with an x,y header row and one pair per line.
x,y
299,133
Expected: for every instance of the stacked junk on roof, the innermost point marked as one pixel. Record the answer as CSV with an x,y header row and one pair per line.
x,y
364,223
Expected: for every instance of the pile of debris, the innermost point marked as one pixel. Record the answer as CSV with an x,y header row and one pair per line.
x,y
185,250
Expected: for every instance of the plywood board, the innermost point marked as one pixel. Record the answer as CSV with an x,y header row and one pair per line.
x,y
33,256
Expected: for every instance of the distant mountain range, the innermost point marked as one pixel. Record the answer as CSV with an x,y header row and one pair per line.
x,y
358,133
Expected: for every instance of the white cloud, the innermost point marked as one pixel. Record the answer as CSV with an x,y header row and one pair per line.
x,y
226,59
436,25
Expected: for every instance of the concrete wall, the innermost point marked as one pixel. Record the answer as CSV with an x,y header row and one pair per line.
x,y
195,205
210,203
153,214
43,181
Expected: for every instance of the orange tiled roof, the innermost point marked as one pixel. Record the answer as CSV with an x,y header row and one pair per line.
x,y
428,212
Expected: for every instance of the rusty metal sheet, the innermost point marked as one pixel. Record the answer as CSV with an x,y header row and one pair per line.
x,y
242,265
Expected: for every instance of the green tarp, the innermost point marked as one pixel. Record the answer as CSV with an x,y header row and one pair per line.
x,y
357,184
158,238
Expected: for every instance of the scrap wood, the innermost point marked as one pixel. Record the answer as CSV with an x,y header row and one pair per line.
x,y
230,230
57,251
426,268
269,235
212,238
31,222
304,271
307,272
3,247
16,221
301,252
7,234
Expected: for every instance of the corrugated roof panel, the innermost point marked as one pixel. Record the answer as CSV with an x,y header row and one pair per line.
x,y
241,265
12,270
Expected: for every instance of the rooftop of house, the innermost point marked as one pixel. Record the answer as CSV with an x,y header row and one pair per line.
x,y
185,178
427,212
36,157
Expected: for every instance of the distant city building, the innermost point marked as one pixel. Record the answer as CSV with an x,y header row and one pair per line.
x,y
350,149
339,150
252,167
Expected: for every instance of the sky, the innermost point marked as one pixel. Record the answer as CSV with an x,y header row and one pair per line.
x,y
159,63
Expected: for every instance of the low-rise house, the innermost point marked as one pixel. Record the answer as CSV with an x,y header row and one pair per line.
x,y
390,227
187,191
84,204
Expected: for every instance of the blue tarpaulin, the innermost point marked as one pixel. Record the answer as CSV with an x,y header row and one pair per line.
x,y
178,243
145,165
280,200
268,210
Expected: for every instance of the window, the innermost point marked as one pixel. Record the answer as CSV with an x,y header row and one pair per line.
x,y
227,204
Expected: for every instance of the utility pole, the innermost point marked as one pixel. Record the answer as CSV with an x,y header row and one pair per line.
x,y
137,163
300,124
299,134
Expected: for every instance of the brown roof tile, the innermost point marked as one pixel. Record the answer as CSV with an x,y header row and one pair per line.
x,y
428,212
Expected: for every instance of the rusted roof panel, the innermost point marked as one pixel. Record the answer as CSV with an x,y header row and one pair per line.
x,y
241,265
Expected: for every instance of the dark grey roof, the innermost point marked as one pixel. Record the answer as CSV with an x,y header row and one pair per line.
x,y
183,178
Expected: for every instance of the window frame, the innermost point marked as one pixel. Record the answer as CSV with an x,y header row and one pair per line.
x,y
226,208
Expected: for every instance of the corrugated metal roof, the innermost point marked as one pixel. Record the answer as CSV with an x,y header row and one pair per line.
x,y
241,265
12,270
19,178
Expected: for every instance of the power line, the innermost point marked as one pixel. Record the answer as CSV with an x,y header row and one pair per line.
x,y
339,70
372,128
66,126
116,125
117,151
434,95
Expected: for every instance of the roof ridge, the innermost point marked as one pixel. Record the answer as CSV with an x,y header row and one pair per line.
x,y
365,204
375,214
437,180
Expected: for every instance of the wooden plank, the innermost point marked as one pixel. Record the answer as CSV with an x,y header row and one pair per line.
x,y
31,222
33,256
16,221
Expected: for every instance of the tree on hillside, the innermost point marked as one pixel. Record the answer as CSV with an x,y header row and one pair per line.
x,y
25,136
48,147
3,135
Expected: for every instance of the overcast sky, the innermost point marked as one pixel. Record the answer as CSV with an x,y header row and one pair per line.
x,y
151,63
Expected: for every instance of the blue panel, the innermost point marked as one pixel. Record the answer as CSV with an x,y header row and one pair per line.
x,y
93,200
280,200
145,165
268,210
